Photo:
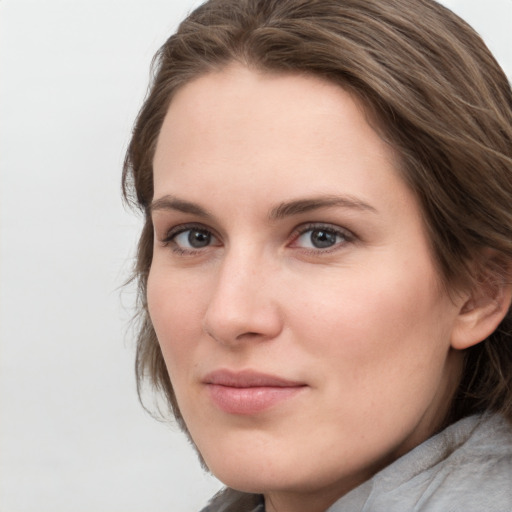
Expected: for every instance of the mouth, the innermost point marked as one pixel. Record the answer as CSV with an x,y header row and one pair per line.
x,y
249,392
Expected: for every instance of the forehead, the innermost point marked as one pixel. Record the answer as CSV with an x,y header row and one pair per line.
x,y
241,139
236,111
237,83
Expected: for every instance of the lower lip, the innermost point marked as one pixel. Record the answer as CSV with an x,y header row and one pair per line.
x,y
247,401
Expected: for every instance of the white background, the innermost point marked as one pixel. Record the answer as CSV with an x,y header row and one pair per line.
x,y
73,437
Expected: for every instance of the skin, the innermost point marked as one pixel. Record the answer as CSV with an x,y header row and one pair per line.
x,y
361,322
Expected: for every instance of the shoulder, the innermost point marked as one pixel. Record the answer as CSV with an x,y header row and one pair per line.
x,y
465,468
478,474
475,471
229,500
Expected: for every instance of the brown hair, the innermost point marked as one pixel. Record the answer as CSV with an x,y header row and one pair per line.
x,y
440,99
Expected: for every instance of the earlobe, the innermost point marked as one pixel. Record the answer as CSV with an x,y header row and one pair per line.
x,y
482,312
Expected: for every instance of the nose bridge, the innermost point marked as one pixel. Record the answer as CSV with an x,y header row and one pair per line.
x,y
242,304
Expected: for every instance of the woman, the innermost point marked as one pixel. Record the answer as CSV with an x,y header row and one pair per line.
x,y
325,263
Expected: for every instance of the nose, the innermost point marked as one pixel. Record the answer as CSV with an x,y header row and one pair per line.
x,y
243,305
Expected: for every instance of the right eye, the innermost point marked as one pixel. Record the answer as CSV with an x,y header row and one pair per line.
x,y
193,239
190,239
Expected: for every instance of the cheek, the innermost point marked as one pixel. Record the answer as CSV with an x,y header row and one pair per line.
x,y
176,308
378,350
370,325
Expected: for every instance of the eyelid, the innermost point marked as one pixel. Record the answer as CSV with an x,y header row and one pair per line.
x,y
348,235
180,228
174,231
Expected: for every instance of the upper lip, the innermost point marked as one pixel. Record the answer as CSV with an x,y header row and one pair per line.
x,y
247,379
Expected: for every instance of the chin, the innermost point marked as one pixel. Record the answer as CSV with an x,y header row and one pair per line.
x,y
251,471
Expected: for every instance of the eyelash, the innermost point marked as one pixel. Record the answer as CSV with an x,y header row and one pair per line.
x,y
330,229
170,238
345,234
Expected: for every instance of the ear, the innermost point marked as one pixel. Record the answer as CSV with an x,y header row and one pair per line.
x,y
483,308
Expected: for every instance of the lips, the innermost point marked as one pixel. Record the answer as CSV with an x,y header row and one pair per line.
x,y
249,392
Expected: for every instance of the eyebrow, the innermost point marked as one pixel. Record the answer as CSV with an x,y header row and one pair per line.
x,y
315,203
285,209
173,203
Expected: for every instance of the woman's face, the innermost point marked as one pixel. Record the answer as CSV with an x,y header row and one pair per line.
x,y
292,288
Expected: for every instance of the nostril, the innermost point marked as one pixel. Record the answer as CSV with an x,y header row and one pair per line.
x,y
249,335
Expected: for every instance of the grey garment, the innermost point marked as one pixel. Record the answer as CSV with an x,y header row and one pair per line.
x,y
465,468
229,500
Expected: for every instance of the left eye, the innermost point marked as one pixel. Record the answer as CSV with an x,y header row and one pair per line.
x,y
320,238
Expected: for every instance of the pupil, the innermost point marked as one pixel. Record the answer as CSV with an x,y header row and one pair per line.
x,y
198,239
321,239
